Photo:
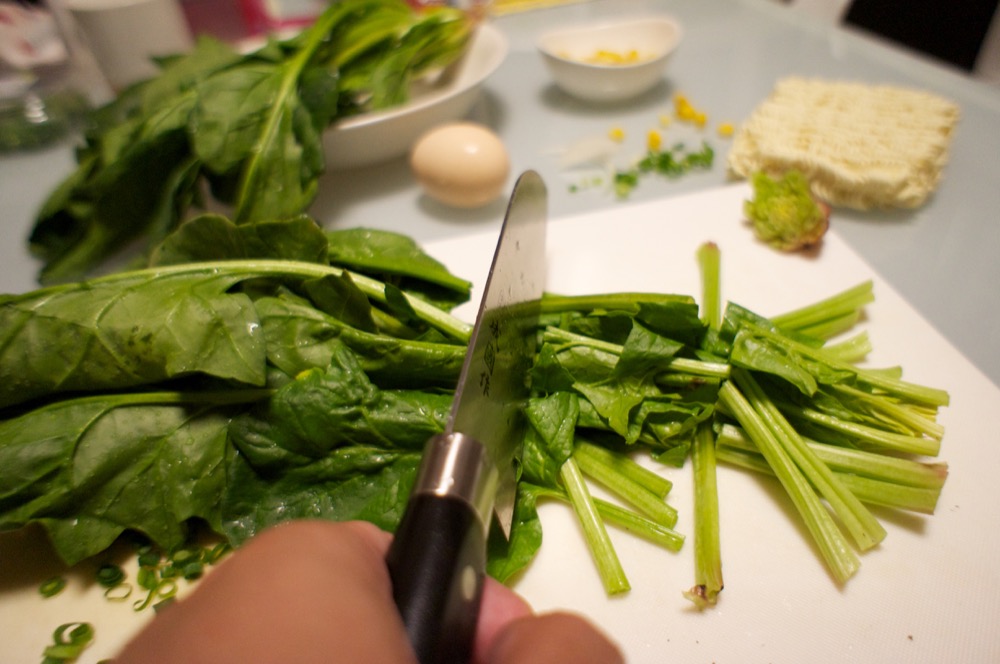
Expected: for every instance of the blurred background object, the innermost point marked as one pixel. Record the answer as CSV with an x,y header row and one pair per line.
x,y
959,33
48,78
125,35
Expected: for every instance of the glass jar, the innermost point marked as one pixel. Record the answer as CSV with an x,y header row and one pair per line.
x,y
48,80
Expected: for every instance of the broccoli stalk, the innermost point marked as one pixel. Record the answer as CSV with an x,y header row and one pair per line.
x,y
784,214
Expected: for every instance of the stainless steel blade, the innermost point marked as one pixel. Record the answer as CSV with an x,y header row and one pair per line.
x,y
493,385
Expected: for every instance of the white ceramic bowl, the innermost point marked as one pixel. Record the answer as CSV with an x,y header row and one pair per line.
x,y
375,137
568,53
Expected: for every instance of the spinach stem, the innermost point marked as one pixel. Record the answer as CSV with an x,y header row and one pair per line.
x,y
707,544
629,302
882,467
678,364
858,521
605,557
627,520
709,262
607,474
847,303
315,35
862,434
917,393
867,489
842,562
373,288
624,465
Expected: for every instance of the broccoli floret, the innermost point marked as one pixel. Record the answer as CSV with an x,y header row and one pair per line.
x,y
784,213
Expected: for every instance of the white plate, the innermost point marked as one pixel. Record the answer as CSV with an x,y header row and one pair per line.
x,y
930,593
379,136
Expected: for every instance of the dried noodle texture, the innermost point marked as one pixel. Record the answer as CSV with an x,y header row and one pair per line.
x,y
861,146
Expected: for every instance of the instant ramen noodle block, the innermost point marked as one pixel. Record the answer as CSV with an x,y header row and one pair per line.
x,y
861,146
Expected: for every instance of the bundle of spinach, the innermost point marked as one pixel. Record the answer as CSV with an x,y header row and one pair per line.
x,y
236,392
264,372
248,127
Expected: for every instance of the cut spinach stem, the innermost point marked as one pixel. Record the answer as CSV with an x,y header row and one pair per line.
x,y
627,302
598,467
708,581
627,520
709,264
919,394
841,306
866,489
913,419
854,349
840,559
831,328
626,466
707,539
858,521
863,435
603,551
882,467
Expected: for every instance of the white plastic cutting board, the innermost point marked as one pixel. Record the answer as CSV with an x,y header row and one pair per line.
x,y
929,593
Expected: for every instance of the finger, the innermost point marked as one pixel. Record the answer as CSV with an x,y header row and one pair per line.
x,y
302,592
553,638
500,606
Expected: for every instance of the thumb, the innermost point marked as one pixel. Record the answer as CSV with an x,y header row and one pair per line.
x,y
552,638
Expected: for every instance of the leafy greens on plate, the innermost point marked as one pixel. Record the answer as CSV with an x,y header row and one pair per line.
x,y
245,127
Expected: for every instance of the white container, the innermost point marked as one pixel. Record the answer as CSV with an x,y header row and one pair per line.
x,y
379,136
570,53
124,35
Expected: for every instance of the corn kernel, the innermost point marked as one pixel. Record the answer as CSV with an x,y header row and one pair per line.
x,y
653,140
617,134
726,129
686,112
606,57
664,120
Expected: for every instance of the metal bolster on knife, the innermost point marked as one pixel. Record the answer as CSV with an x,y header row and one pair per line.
x,y
458,466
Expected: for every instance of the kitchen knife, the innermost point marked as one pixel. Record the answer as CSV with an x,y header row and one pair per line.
x,y
437,560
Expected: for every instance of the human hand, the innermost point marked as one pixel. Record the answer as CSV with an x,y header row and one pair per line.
x,y
317,591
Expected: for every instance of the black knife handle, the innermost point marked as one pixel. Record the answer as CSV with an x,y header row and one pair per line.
x,y
437,563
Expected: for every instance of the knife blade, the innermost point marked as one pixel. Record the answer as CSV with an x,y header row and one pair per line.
x,y
437,560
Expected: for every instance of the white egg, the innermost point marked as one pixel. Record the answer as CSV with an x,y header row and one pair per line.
x,y
461,164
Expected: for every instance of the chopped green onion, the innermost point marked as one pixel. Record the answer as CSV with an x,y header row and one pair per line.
x,y
109,575
216,553
118,593
52,587
69,640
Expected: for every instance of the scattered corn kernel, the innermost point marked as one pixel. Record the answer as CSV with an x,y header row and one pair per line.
x,y
664,120
686,112
617,134
653,140
726,129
